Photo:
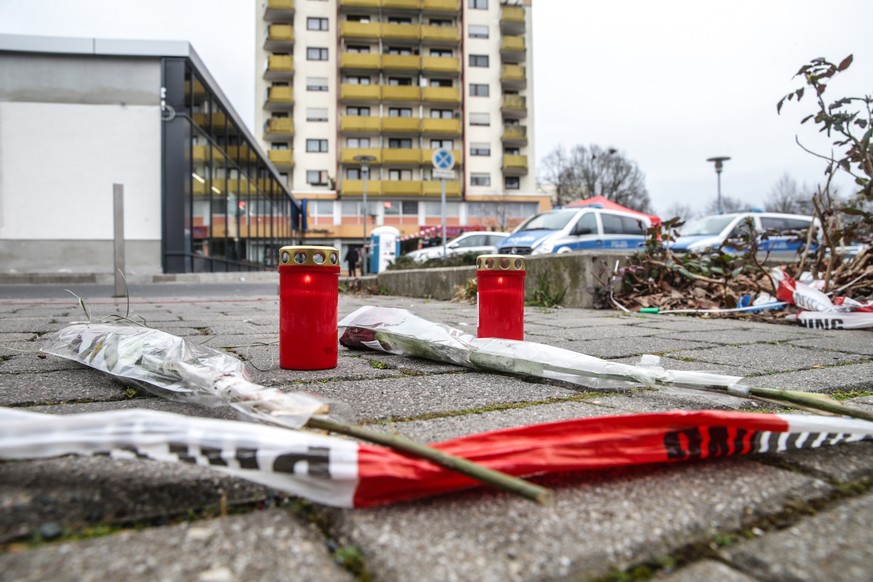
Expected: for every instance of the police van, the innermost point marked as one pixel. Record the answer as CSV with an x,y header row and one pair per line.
x,y
780,236
577,229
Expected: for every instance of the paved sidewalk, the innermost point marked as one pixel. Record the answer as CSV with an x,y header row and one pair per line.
x,y
799,516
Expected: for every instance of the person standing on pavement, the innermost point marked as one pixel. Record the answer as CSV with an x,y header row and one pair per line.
x,y
352,259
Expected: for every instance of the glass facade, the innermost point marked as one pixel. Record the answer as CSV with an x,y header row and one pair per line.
x,y
225,207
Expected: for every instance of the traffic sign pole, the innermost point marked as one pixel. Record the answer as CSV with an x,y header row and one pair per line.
x,y
443,162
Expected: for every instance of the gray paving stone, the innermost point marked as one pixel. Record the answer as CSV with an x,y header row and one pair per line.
x,y
600,522
741,336
846,341
67,385
635,345
848,463
417,395
36,363
833,545
265,545
848,377
75,491
708,570
769,357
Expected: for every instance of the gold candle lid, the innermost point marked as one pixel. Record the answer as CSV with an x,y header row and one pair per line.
x,y
308,256
500,263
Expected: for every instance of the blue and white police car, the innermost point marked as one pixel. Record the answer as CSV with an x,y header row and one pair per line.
x,y
577,229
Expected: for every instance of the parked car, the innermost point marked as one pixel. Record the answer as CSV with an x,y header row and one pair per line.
x,y
477,242
574,229
786,233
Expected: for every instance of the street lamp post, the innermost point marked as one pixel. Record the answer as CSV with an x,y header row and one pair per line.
x,y
365,161
719,164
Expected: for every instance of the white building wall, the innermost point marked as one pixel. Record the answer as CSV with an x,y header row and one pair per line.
x,y
479,75
58,162
304,100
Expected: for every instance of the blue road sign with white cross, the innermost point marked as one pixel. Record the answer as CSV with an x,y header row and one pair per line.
x,y
443,159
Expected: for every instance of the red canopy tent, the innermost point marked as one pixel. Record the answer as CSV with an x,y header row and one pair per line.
x,y
603,202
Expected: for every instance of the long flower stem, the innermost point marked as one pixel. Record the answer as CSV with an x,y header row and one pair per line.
x,y
406,446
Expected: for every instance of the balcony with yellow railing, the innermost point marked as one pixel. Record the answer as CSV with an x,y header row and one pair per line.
x,y
434,188
360,61
401,125
450,65
282,159
401,62
401,31
514,165
359,3
513,76
406,157
402,4
512,49
279,99
279,67
348,155
443,35
356,187
427,157
515,135
450,95
350,92
278,128
360,124
512,20
441,5
280,37
360,30
401,93
401,188
433,126
514,106
279,10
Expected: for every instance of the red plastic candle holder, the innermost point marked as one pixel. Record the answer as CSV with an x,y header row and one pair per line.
x,y
308,299
500,280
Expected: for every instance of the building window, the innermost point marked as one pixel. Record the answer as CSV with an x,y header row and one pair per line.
x,y
442,53
316,54
512,183
475,60
477,31
358,80
316,23
358,49
480,149
353,173
436,144
316,146
480,179
441,22
478,4
316,177
358,142
365,18
400,143
435,209
399,175
358,111
399,20
399,112
481,119
440,83
441,114
400,81
316,83
479,90
511,151
320,207
404,51
316,114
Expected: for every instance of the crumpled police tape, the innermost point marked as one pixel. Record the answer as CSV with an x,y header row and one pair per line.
x,y
346,473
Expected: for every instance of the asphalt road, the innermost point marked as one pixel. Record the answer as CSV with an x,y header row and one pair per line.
x,y
142,291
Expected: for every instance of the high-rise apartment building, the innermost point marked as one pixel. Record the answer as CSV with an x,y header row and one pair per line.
x,y
356,92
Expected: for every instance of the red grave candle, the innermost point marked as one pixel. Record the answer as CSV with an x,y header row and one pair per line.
x,y
308,298
500,281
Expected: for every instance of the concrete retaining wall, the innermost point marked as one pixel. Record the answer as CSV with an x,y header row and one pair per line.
x,y
577,275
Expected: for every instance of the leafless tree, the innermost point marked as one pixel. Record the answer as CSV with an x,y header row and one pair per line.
x,y
728,204
787,196
680,210
584,173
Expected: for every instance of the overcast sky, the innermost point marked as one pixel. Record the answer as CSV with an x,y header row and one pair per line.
x,y
669,83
